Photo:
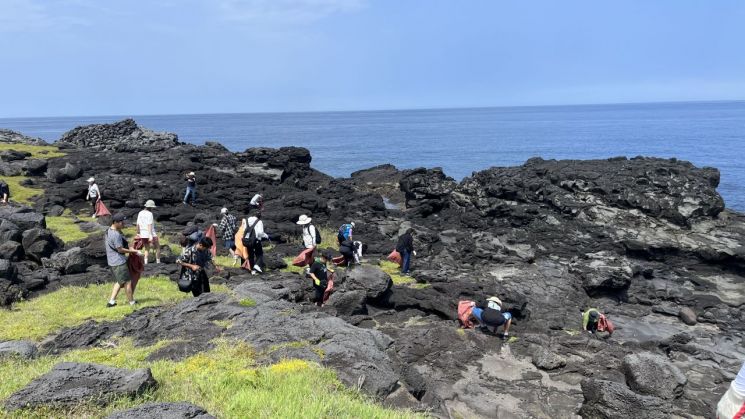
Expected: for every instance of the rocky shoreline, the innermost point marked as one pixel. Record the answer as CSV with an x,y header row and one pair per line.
x,y
647,240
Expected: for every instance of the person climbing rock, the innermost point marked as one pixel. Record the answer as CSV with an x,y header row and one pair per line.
x,y
318,272
347,248
4,192
146,231
405,247
194,261
594,321
489,313
94,195
190,197
254,233
257,203
117,251
228,227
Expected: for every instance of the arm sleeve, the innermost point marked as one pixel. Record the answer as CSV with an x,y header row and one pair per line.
x,y
585,319
260,234
312,232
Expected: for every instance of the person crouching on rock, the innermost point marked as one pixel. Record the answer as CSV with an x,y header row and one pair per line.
x,y
190,197
489,313
94,195
318,272
146,230
116,256
195,259
593,321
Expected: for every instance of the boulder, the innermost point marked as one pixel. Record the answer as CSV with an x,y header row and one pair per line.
x,y
69,382
21,348
64,174
181,410
13,155
545,359
348,303
11,292
688,316
8,271
654,375
34,167
10,232
39,244
24,219
11,250
368,278
71,261
611,400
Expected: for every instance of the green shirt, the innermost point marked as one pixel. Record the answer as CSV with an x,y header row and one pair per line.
x,y
586,317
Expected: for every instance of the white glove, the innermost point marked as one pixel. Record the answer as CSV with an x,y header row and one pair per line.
x,y
214,224
414,252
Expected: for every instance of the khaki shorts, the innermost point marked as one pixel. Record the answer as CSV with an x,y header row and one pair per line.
x,y
121,273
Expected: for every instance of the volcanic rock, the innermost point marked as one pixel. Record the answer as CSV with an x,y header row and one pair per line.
x,y
687,316
8,136
122,136
20,348
163,411
609,400
654,375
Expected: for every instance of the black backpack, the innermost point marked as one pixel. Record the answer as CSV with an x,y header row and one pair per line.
x,y
318,236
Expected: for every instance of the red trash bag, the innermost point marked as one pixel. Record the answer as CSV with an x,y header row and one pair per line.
x,y
605,325
304,258
101,210
211,234
329,287
339,260
395,257
465,308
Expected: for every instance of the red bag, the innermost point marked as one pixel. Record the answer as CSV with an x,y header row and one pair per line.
x,y
211,234
304,258
465,308
338,260
395,257
101,210
136,266
329,287
605,325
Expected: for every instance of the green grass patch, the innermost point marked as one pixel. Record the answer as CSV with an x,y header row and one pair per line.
x,y
226,261
225,381
290,267
37,151
420,286
394,271
247,302
34,319
19,193
66,228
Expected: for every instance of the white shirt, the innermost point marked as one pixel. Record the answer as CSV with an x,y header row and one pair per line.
x,y
93,191
309,236
255,200
258,228
145,224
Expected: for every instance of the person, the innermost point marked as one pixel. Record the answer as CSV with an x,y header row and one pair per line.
x,y
257,202
194,261
252,237
146,230
318,272
116,257
94,195
348,249
405,247
345,232
591,319
489,313
4,192
309,232
228,226
191,189
190,236
732,403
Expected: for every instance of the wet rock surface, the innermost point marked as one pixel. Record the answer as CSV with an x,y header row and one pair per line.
x,y
647,241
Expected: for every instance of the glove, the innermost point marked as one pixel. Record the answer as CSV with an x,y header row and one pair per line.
x,y
317,282
414,252
589,331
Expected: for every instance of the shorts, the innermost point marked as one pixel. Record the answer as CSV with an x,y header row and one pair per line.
x,y
121,273
477,313
229,244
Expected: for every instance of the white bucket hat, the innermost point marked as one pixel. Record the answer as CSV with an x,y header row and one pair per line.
x,y
150,204
91,179
303,220
224,211
191,174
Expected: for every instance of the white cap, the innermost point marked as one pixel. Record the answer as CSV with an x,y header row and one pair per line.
x,y
191,174
303,220
224,211
150,204
91,179
352,224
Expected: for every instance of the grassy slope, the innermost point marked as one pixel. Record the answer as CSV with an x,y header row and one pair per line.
x,y
23,194
226,381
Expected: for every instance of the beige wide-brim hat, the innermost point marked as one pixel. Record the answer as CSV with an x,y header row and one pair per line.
x,y
90,179
303,220
495,299
150,204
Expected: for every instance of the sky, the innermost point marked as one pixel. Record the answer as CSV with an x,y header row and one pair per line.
x,y
138,57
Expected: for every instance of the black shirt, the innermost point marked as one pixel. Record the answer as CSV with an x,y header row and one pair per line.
x,y
319,270
491,316
405,243
191,181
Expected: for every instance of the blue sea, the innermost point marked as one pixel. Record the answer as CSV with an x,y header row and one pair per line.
x,y
462,141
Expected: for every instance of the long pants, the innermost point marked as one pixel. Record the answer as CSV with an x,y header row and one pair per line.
x,y
319,291
256,255
93,205
202,284
190,193
406,257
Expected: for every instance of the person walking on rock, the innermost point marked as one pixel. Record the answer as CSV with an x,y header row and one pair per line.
x,y
146,230
228,227
4,192
252,237
489,313
190,197
94,195
318,272
593,321
194,261
116,257
405,247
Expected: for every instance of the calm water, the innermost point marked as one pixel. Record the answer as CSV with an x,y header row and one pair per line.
x,y
465,140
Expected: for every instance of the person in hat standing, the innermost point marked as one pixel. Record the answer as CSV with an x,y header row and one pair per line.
x,y
309,232
94,195
117,251
590,320
191,189
146,230
489,313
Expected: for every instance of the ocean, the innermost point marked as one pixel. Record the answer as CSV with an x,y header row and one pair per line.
x,y
462,141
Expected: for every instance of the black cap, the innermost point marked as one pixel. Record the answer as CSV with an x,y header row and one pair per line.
x,y
118,217
594,314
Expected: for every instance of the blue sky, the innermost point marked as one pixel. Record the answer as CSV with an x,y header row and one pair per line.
x,y
122,57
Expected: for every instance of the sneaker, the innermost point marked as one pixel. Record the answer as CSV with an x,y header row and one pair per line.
x,y
145,262
157,260
133,302
110,304
257,268
253,272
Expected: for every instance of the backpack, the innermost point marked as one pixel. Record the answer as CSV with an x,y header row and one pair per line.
x,y
340,236
249,239
318,235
